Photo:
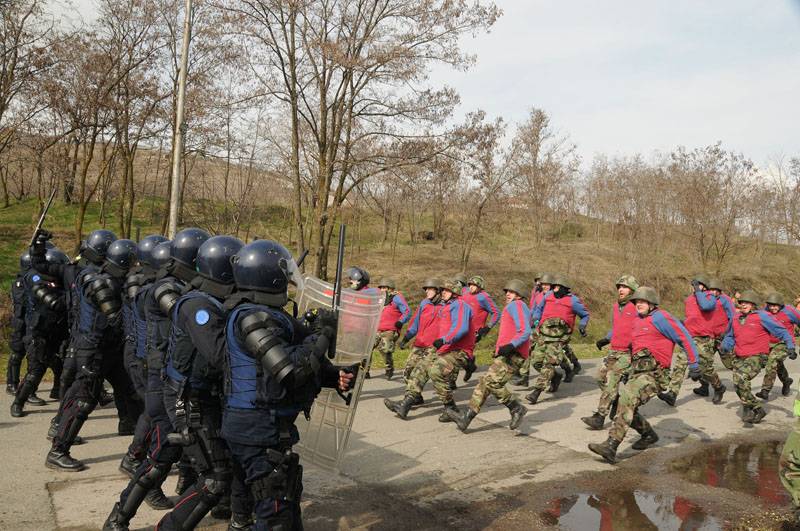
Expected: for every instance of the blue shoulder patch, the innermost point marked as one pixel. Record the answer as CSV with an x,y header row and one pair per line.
x,y
201,317
36,278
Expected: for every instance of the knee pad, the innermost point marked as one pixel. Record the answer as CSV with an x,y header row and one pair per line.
x,y
154,475
32,378
85,408
217,485
16,357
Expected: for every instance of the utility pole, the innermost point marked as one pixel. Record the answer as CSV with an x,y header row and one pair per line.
x,y
180,127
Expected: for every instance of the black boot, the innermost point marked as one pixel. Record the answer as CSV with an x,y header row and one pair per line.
x,y
129,464
718,394
569,373
240,522
418,401
521,381
576,366
402,407
786,390
55,392
649,438
157,500
222,510
11,389
747,415
470,369
24,391
668,397
16,409
115,522
462,421
62,461
35,400
125,427
702,390
517,411
556,382
448,409
105,397
533,397
595,422
758,415
389,373
763,394
607,450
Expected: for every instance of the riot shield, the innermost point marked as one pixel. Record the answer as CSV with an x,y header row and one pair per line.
x,y
323,439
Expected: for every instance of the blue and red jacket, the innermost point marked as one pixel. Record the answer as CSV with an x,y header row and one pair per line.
x,y
622,319
515,327
750,334
396,310
565,308
659,332
699,308
423,325
482,307
453,318
788,317
723,315
536,297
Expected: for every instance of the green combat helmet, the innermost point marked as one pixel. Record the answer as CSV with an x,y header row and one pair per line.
x,y
775,298
715,283
453,285
749,295
386,283
518,287
647,294
561,280
477,280
547,278
431,283
701,278
629,281
461,277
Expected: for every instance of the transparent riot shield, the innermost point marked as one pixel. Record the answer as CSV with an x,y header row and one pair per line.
x,y
323,439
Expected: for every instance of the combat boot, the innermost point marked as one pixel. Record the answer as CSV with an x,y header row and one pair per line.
x,y
129,464
16,409
786,390
105,398
555,382
157,500
569,373
470,369
521,381
533,397
702,390
462,421
240,522
607,450
747,415
55,392
418,401
668,397
59,460
35,400
11,389
718,393
517,411
595,422
125,427
115,522
576,366
222,510
758,415
402,407
648,439
763,394
389,373
449,408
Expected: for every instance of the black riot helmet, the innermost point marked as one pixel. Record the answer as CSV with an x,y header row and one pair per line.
x,y
214,258
96,245
161,255
146,247
267,267
185,245
25,258
359,277
122,254
54,255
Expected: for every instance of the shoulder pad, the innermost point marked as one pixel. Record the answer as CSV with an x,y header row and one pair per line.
x,y
133,285
262,339
166,295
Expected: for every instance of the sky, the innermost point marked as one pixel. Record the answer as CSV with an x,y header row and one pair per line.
x,y
631,76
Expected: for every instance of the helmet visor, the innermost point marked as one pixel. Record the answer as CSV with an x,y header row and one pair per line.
x,y
293,273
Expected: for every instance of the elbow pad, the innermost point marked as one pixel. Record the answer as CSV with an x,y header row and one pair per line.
x,y
50,298
105,297
166,296
266,346
133,285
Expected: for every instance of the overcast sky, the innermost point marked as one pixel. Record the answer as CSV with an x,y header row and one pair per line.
x,y
626,76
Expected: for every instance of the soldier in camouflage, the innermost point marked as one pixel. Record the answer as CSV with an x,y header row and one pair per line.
x,y
789,317
617,363
513,345
654,336
422,329
544,283
395,314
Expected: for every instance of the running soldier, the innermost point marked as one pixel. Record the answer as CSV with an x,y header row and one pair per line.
x,y
396,313
617,362
749,339
788,317
721,321
513,346
653,340
556,315
543,286
423,328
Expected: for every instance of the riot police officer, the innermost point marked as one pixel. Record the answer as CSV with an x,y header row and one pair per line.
x,y
16,343
195,377
277,366
45,326
156,303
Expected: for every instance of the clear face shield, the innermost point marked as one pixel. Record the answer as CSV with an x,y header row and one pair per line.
x,y
293,273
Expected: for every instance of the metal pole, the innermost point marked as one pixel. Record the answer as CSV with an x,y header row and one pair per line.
x,y
177,146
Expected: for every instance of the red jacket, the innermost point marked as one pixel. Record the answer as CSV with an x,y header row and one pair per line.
x,y
453,318
699,308
565,308
396,310
482,307
659,332
750,334
515,327
423,327
723,312
622,319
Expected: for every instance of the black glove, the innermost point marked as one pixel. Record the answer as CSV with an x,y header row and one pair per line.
x,y
793,354
582,331
481,333
42,236
351,369
398,325
695,374
602,342
403,343
507,349
438,344
469,369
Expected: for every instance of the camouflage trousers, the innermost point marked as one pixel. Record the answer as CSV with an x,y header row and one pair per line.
x,y
547,356
385,342
418,355
744,370
495,380
777,353
680,363
615,365
789,464
646,378
440,371
725,358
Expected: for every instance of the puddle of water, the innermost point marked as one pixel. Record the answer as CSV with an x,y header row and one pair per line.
x,y
628,510
748,468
